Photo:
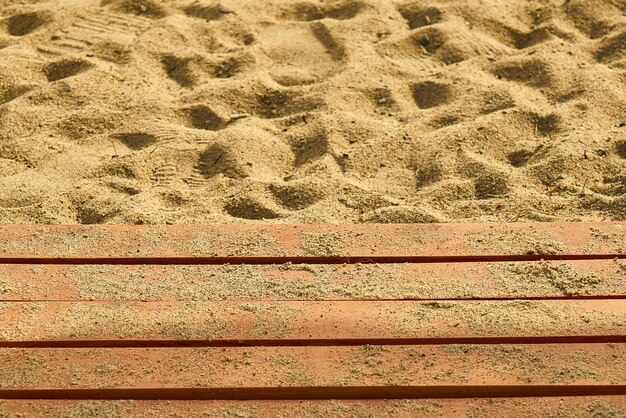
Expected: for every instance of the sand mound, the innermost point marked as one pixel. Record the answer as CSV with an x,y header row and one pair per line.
x,y
146,111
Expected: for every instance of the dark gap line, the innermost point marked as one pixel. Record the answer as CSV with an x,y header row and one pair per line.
x,y
267,300
317,342
316,393
238,260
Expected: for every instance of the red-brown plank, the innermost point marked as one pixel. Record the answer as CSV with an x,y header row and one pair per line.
x,y
307,321
338,241
572,406
534,279
315,372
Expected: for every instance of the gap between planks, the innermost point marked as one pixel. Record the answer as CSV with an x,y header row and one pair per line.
x,y
407,299
240,260
313,342
317,392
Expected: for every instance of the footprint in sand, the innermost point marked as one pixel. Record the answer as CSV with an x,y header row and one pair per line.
x,y
66,68
105,35
429,94
309,11
25,23
302,53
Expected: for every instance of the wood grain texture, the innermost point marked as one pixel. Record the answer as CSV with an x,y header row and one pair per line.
x,y
338,241
416,281
241,321
332,320
519,369
570,406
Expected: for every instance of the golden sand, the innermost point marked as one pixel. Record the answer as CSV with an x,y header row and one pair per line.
x,y
145,111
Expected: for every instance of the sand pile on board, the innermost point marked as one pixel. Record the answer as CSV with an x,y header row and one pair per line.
x,y
178,111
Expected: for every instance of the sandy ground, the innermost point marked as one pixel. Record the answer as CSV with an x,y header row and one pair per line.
x,y
145,111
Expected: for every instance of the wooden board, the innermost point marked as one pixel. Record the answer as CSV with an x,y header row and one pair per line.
x,y
315,372
570,406
406,281
454,319
249,243
25,323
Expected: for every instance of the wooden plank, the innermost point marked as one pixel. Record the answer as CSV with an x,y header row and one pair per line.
x,y
309,322
314,372
572,406
417,281
338,241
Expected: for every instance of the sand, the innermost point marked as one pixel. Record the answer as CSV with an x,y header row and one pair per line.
x,y
146,111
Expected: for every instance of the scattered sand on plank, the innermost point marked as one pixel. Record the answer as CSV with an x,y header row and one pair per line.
x,y
211,321
520,407
313,282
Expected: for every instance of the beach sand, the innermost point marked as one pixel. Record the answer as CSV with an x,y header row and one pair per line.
x,y
146,111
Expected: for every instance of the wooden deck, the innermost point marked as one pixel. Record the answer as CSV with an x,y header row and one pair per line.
x,y
258,320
